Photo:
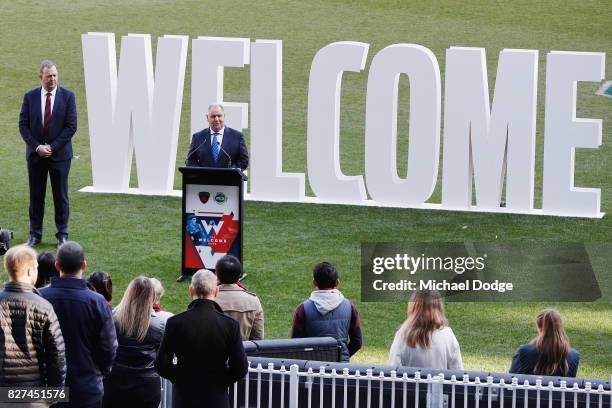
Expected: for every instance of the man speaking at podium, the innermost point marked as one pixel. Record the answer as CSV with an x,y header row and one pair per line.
x,y
217,145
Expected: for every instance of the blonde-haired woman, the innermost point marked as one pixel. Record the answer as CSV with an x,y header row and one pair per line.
x,y
549,353
159,292
133,381
424,340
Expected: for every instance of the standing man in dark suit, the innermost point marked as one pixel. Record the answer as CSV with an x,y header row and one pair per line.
x,y
47,122
217,145
201,351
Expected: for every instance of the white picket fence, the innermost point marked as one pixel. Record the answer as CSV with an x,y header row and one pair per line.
x,y
475,392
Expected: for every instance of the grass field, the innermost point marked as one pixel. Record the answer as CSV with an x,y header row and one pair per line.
x,y
130,235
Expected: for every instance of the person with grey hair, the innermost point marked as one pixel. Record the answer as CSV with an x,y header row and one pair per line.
x,y
164,316
201,352
47,123
159,292
217,145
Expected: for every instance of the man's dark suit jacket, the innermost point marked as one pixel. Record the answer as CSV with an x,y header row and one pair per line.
x,y
62,127
200,151
87,326
209,352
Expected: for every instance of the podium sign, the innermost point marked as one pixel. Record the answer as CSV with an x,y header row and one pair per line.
x,y
212,216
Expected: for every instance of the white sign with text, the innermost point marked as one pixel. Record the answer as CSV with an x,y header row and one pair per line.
x,y
134,110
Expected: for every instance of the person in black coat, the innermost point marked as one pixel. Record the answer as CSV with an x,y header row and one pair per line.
x,y
133,380
207,347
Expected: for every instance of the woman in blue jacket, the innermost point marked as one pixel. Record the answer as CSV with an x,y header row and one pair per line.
x,y
549,353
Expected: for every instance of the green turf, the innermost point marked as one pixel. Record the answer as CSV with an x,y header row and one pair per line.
x,y
128,235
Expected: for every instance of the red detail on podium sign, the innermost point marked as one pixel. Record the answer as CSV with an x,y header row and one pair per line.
x,y
204,196
192,258
223,240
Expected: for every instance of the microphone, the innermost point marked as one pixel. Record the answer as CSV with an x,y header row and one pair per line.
x,y
194,150
244,177
228,156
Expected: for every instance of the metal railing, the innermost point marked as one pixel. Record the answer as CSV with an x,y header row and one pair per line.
x,y
332,388
281,387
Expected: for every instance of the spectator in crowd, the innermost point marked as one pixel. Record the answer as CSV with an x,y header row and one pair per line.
x,y
32,346
159,292
328,313
207,347
46,269
87,325
133,381
425,340
164,315
103,284
549,353
236,302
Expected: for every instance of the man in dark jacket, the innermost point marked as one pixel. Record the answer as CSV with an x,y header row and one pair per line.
x,y
207,347
31,343
47,123
87,325
328,314
217,145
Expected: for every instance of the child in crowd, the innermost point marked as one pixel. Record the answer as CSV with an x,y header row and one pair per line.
x,y
46,269
103,284
424,339
549,353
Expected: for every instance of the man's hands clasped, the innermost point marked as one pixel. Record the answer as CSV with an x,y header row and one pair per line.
x,y
44,150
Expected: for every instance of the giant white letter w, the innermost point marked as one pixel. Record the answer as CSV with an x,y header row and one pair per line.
x,y
131,111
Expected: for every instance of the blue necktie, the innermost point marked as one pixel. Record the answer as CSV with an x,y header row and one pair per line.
x,y
215,147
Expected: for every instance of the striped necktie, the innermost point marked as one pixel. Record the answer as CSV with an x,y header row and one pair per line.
x,y
215,147
47,117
